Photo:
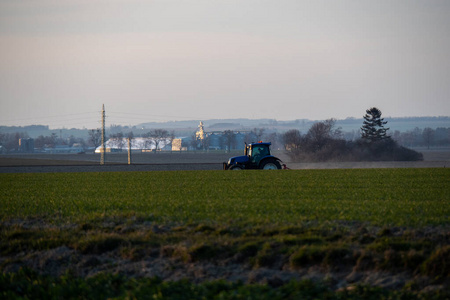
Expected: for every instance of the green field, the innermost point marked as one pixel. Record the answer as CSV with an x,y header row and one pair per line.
x,y
339,223
403,197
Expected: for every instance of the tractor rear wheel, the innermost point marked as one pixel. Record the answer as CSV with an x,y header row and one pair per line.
x,y
270,165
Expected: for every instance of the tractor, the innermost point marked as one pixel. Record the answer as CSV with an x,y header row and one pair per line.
x,y
256,156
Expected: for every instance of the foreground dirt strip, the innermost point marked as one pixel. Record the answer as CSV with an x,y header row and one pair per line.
x,y
117,162
111,168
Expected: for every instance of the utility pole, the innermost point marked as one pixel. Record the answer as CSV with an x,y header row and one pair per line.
x,y
129,151
103,149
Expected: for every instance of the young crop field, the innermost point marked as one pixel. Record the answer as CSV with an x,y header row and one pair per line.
x,y
354,233
402,197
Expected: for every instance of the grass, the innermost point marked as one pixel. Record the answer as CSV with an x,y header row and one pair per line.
x,y
402,197
362,220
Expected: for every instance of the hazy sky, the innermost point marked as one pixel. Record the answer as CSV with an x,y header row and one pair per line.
x,y
200,59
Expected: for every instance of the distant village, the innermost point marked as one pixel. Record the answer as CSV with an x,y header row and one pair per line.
x,y
200,140
218,135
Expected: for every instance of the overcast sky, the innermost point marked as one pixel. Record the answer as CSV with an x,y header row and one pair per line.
x,y
200,59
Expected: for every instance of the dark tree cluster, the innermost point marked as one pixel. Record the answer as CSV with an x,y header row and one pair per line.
x,y
10,141
52,140
324,142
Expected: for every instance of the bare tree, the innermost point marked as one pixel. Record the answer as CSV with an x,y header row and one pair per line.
x,y
275,139
428,135
118,140
229,139
45,141
194,142
159,136
74,140
335,132
10,141
130,135
318,135
95,137
292,139
147,141
259,133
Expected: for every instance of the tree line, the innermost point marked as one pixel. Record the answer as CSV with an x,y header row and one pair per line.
x,y
325,142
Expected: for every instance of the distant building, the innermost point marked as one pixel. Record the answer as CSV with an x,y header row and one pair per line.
x,y
177,145
200,134
137,144
217,140
26,145
201,139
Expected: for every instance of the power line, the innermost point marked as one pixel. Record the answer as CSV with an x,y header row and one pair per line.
x,y
71,120
34,117
116,115
157,116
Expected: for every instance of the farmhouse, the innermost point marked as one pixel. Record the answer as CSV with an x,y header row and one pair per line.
x,y
137,144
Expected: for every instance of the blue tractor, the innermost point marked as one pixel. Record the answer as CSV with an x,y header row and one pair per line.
x,y
257,156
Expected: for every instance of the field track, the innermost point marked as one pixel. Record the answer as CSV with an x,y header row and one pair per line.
x,y
118,162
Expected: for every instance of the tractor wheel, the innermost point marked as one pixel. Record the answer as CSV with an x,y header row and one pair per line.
x,y
270,165
235,168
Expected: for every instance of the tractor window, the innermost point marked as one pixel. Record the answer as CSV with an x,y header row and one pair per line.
x,y
258,152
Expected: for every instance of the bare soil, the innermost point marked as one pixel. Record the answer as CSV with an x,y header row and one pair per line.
x,y
171,161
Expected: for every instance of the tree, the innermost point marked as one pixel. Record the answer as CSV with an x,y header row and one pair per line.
x,y
259,133
45,141
172,136
274,138
159,136
373,126
117,140
318,135
95,137
193,142
428,135
130,135
147,141
321,132
292,139
76,140
10,141
229,139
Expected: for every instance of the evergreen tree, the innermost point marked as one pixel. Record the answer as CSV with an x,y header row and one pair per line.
x,y
373,128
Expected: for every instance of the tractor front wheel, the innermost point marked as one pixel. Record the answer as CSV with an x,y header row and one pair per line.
x,y
270,165
236,168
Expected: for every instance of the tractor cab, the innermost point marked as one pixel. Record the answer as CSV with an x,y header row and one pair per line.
x,y
256,156
257,151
